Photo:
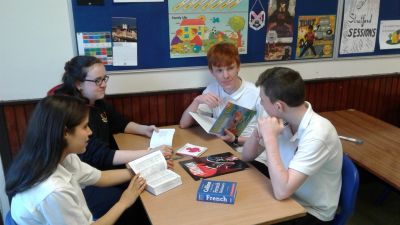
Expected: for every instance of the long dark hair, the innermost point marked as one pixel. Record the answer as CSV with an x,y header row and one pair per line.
x,y
44,141
75,70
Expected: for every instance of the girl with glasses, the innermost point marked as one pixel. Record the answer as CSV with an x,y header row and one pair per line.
x,y
85,77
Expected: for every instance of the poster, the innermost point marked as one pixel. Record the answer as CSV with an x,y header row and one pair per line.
x,y
389,34
315,37
360,21
124,38
194,26
96,44
280,29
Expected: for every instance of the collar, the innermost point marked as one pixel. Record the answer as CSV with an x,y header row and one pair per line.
x,y
304,123
238,93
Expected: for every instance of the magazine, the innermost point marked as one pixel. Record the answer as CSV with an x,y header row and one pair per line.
x,y
153,168
191,150
233,117
213,165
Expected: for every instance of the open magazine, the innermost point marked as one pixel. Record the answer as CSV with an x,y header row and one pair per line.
x,y
153,168
233,117
213,165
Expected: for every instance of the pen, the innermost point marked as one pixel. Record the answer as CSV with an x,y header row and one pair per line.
x,y
354,140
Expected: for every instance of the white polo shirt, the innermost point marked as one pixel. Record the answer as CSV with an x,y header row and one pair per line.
x,y
59,199
315,150
247,95
319,155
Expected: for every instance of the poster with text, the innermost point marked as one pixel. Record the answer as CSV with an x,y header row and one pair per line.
x,y
280,28
195,26
360,26
389,34
315,36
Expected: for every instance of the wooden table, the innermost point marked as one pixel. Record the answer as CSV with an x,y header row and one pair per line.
x,y
254,201
380,152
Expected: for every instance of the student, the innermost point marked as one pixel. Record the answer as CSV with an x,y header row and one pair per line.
x,y
224,65
46,177
304,153
85,77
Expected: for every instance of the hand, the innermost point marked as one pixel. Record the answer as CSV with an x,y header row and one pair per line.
x,y
228,136
132,192
210,99
148,130
167,153
270,127
170,163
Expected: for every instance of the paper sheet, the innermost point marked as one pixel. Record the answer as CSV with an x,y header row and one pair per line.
x,y
162,137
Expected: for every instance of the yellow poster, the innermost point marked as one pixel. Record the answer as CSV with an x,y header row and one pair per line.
x,y
315,37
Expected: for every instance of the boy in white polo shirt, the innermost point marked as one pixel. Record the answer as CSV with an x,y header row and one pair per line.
x,y
304,153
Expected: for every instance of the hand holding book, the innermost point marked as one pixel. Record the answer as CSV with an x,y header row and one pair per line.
x,y
153,168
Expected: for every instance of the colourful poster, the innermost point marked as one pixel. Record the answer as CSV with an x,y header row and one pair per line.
x,y
96,44
194,26
315,37
360,26
280,29
389,34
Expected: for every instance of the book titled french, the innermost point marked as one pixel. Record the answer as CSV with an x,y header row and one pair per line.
x,y
217,191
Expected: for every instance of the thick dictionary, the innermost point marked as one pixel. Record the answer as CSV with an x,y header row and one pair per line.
x,y
153,168
217,191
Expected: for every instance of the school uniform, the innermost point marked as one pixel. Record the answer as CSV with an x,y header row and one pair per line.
x,y
247,95
58,199
316,151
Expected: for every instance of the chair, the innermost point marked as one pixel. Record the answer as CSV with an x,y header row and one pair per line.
x,y
9,219
348,194
53,90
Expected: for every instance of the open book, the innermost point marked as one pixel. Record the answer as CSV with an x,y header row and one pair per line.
x,y
153,168
233,117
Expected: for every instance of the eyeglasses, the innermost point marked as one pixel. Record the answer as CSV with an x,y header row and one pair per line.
x,y
99,81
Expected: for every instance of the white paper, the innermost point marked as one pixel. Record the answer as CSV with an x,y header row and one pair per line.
x,y
389,34
360,26
205,122
149,164
162,137
125,54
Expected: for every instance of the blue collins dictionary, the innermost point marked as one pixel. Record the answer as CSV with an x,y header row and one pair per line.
x,y
217,191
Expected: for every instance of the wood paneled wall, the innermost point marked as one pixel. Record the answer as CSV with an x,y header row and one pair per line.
x,y
378,96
